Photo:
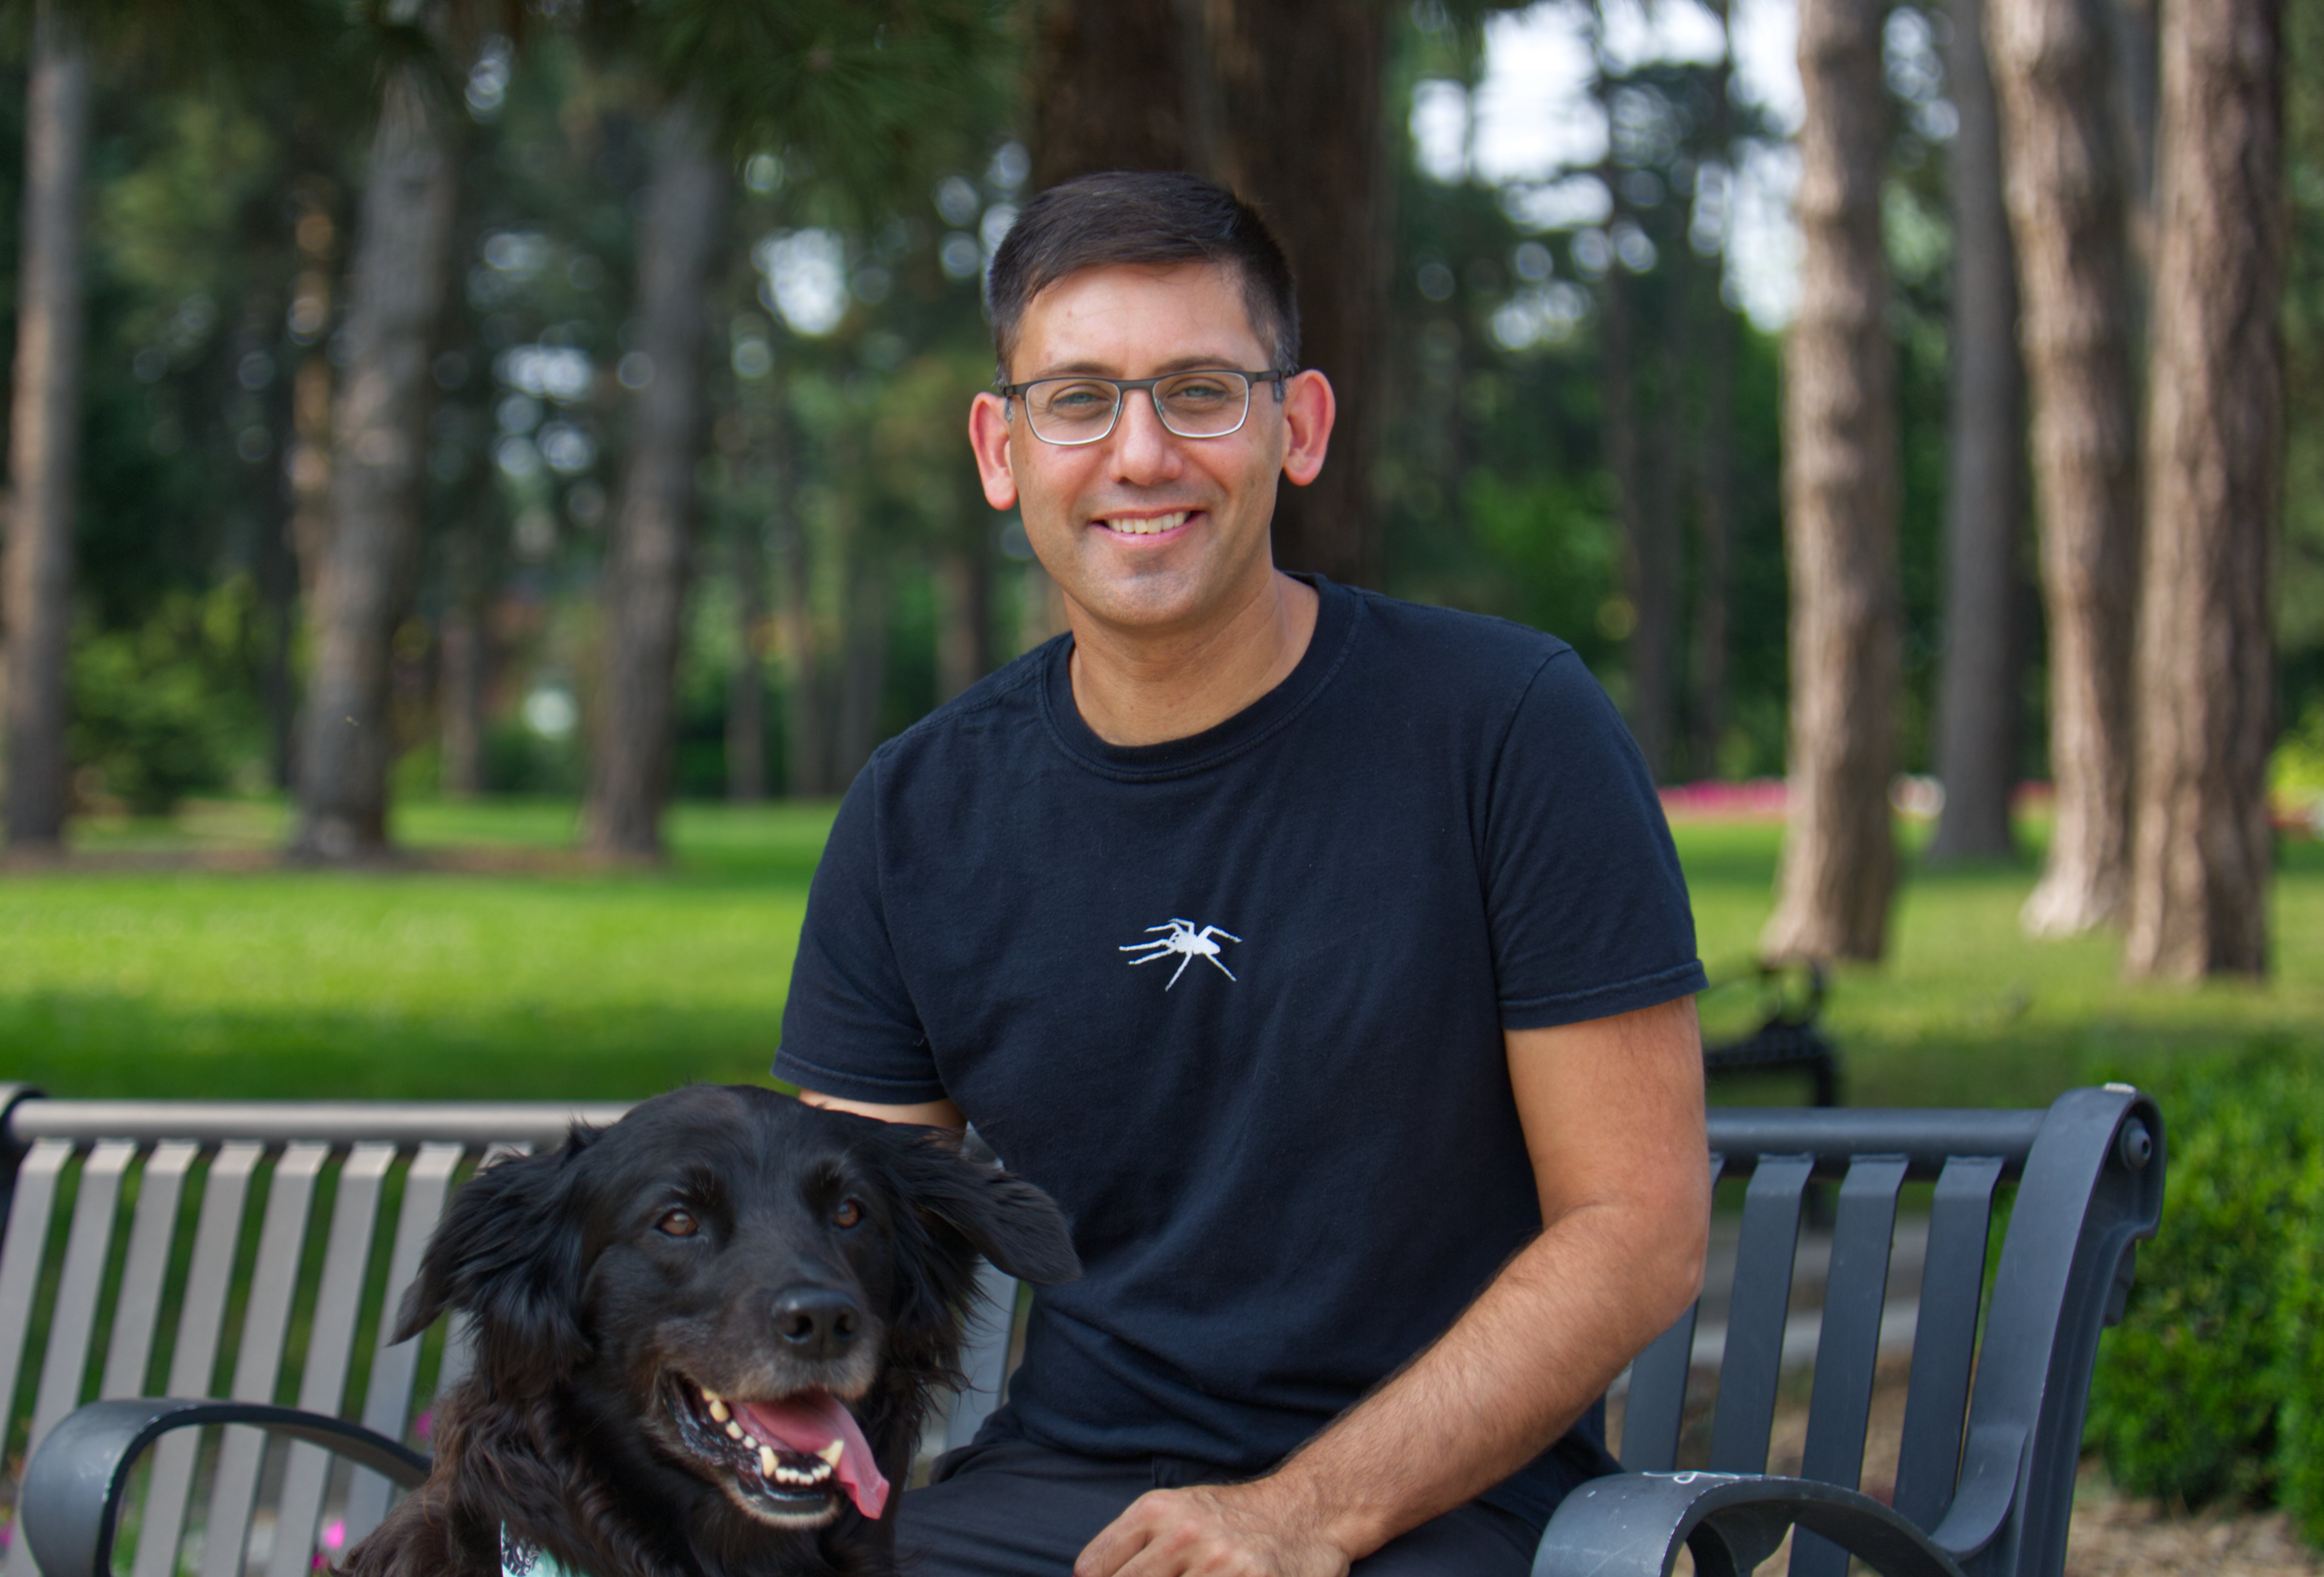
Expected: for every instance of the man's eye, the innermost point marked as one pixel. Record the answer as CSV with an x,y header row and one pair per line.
x,y
1077,400
677,1223
1203,392
850,1211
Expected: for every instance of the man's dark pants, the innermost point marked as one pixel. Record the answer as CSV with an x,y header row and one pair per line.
x,y
1009,1508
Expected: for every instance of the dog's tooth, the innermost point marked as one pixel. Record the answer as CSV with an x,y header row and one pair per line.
x,y
734,1430
766,1460
750,1443
718,1409
832,1452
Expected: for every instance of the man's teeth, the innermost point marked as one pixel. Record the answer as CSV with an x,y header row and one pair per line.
x,y
1149,527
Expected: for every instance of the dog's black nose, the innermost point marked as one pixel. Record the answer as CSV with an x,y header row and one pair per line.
x,y
818,1322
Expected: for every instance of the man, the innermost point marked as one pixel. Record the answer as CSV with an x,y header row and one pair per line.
x,y
1324,957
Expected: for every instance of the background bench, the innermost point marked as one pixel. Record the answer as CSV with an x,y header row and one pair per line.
x,y
188,1222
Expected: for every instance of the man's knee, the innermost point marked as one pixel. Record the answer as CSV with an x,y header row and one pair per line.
x,y
1009,1509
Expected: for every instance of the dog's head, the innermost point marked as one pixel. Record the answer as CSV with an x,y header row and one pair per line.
x,y
731,1284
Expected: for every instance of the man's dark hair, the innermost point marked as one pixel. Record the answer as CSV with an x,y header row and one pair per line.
x,y
1153,218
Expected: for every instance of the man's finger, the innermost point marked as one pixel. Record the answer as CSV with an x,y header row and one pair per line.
x,y
1117,1542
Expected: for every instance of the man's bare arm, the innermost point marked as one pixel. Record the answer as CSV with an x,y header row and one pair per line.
x,y
927,1113
1612,1113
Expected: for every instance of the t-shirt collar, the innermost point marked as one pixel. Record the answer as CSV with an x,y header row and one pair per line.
x,y
1337,615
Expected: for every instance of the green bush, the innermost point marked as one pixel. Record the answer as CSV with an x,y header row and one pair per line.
x,y
2213,1385
165,708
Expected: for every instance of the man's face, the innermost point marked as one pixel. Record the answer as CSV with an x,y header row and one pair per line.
x,y
1144,530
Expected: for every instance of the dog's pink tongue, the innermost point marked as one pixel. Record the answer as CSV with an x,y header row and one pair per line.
x,y
808,1423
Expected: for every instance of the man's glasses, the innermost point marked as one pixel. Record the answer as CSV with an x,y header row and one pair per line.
x,y
1207,404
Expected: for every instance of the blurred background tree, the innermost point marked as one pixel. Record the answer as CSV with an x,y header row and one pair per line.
x,y
1566,351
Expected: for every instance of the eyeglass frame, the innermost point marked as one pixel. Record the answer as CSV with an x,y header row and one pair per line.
x,y
1012,392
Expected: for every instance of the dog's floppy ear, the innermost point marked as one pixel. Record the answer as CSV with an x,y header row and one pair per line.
x,y
1003,1218
509,1252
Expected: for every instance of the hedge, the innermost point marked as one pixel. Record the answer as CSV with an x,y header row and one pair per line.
x,y
2212,1387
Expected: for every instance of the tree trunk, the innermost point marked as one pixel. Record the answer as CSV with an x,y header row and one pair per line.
x,y
1109,88
44,434
1983,661
646,560
863,666
1839,507
2215,457
464,664
402,256
1649,575
964,618
746,685
1715,476
807,735
2065,191
1715,533
1299,90
1235,88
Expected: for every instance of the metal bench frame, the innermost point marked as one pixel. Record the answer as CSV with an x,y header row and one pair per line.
x,y
1984,1486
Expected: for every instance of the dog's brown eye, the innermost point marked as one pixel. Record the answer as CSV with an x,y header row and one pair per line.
x,y
849,1212
679,1223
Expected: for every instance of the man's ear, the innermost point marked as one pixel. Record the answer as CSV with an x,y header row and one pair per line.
x,y
987,435
1309,409
509,1253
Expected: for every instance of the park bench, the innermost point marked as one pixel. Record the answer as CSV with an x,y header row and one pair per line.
x,y
1992,1421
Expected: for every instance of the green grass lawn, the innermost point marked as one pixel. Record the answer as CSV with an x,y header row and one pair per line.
x,y
172,959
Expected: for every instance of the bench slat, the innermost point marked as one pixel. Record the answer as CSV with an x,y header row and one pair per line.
x,y
1654,1408
145,1267
1944,1341
265,1321
395,1365
19,1265
73,1317
322,1385
1753,1358
201,1318
1848,1347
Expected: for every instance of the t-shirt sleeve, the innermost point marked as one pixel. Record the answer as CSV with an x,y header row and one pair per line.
x,y
849,1026
1588,909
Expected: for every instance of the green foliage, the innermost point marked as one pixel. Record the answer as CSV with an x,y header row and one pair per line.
x,y
164,708
2213,1385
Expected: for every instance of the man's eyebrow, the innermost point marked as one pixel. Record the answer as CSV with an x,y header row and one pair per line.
x,y
1186,364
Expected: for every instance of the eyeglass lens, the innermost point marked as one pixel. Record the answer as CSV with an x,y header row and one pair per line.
x,y
1193,405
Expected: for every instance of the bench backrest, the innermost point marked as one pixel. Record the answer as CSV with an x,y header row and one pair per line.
x,y
2081,1183
148,1240
194,1227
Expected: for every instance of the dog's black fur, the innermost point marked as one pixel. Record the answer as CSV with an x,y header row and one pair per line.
x,y
616,1281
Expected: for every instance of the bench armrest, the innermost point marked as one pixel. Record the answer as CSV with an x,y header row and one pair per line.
x,y
1631,1524
74,1483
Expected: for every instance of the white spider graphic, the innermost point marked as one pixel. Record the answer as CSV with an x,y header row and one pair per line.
x,y
1186,942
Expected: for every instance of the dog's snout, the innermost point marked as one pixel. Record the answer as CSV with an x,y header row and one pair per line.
x,y
818,1322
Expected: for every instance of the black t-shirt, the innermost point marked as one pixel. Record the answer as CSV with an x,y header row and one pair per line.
x,y
1236,1002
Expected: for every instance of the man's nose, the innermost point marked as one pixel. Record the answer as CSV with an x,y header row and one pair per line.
x,y
817,1321
1144,450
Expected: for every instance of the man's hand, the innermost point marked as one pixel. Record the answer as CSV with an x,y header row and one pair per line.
x,y
1229,1530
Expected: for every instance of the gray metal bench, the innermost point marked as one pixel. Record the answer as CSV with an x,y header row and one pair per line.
x,y
1983,1485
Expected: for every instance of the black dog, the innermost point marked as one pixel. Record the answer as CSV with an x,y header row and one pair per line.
x,y
705,1341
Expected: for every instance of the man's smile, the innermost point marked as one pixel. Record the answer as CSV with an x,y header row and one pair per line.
x,y
1126,525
